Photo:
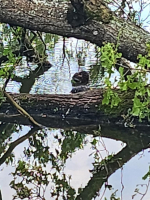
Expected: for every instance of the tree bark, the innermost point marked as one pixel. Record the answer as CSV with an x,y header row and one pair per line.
x,y
51,18
70,110
80,105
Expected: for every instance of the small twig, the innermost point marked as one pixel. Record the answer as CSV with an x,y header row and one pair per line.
x,y
64,52
22,111
39,34
19,108
122,8
122,186
147,186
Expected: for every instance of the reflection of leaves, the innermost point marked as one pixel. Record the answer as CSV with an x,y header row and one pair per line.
x,y
38,148
30,181
72,141
10,159
6,131
146,175
29,175
96,73
113,196
62,186
51,40
22,191
40,48
81,58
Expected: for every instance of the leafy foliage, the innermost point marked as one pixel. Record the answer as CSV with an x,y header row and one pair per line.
x,y
29,174
31,179
137,81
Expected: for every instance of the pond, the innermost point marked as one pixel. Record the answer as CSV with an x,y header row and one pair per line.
x,y
86,162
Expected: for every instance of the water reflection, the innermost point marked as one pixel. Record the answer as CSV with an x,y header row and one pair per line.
x,y
78,55
56,79
88,158
97,157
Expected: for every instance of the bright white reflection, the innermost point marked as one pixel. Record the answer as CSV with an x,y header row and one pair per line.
x,y
79,55
80,163
58,78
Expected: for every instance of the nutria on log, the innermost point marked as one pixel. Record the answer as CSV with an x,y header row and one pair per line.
x,y
79,81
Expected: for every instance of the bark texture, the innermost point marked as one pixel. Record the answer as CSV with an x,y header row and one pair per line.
x,y
51,17
70,110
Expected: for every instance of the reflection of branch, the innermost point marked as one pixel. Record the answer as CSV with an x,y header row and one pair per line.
x,y
130,136
103,171
29,81
16,143
0,195
147,187
39,34
34,36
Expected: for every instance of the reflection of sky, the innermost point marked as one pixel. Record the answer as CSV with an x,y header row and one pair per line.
x,y
143,12
5,177
132,174
58,80
80,163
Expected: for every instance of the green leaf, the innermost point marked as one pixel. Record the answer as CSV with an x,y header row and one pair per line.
x,y
137,102
121,70
124,86
94,142
146,175
105,99
136,111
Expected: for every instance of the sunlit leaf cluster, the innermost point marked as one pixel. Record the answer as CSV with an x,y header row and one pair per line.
x,y
136,82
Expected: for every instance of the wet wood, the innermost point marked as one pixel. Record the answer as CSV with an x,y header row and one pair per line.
x,y
73,109
80,105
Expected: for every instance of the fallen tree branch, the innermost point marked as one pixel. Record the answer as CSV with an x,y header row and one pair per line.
x,y
85,107
52,18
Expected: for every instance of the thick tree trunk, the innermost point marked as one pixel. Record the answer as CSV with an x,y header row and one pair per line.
x,y
69,110
51,18
80,105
